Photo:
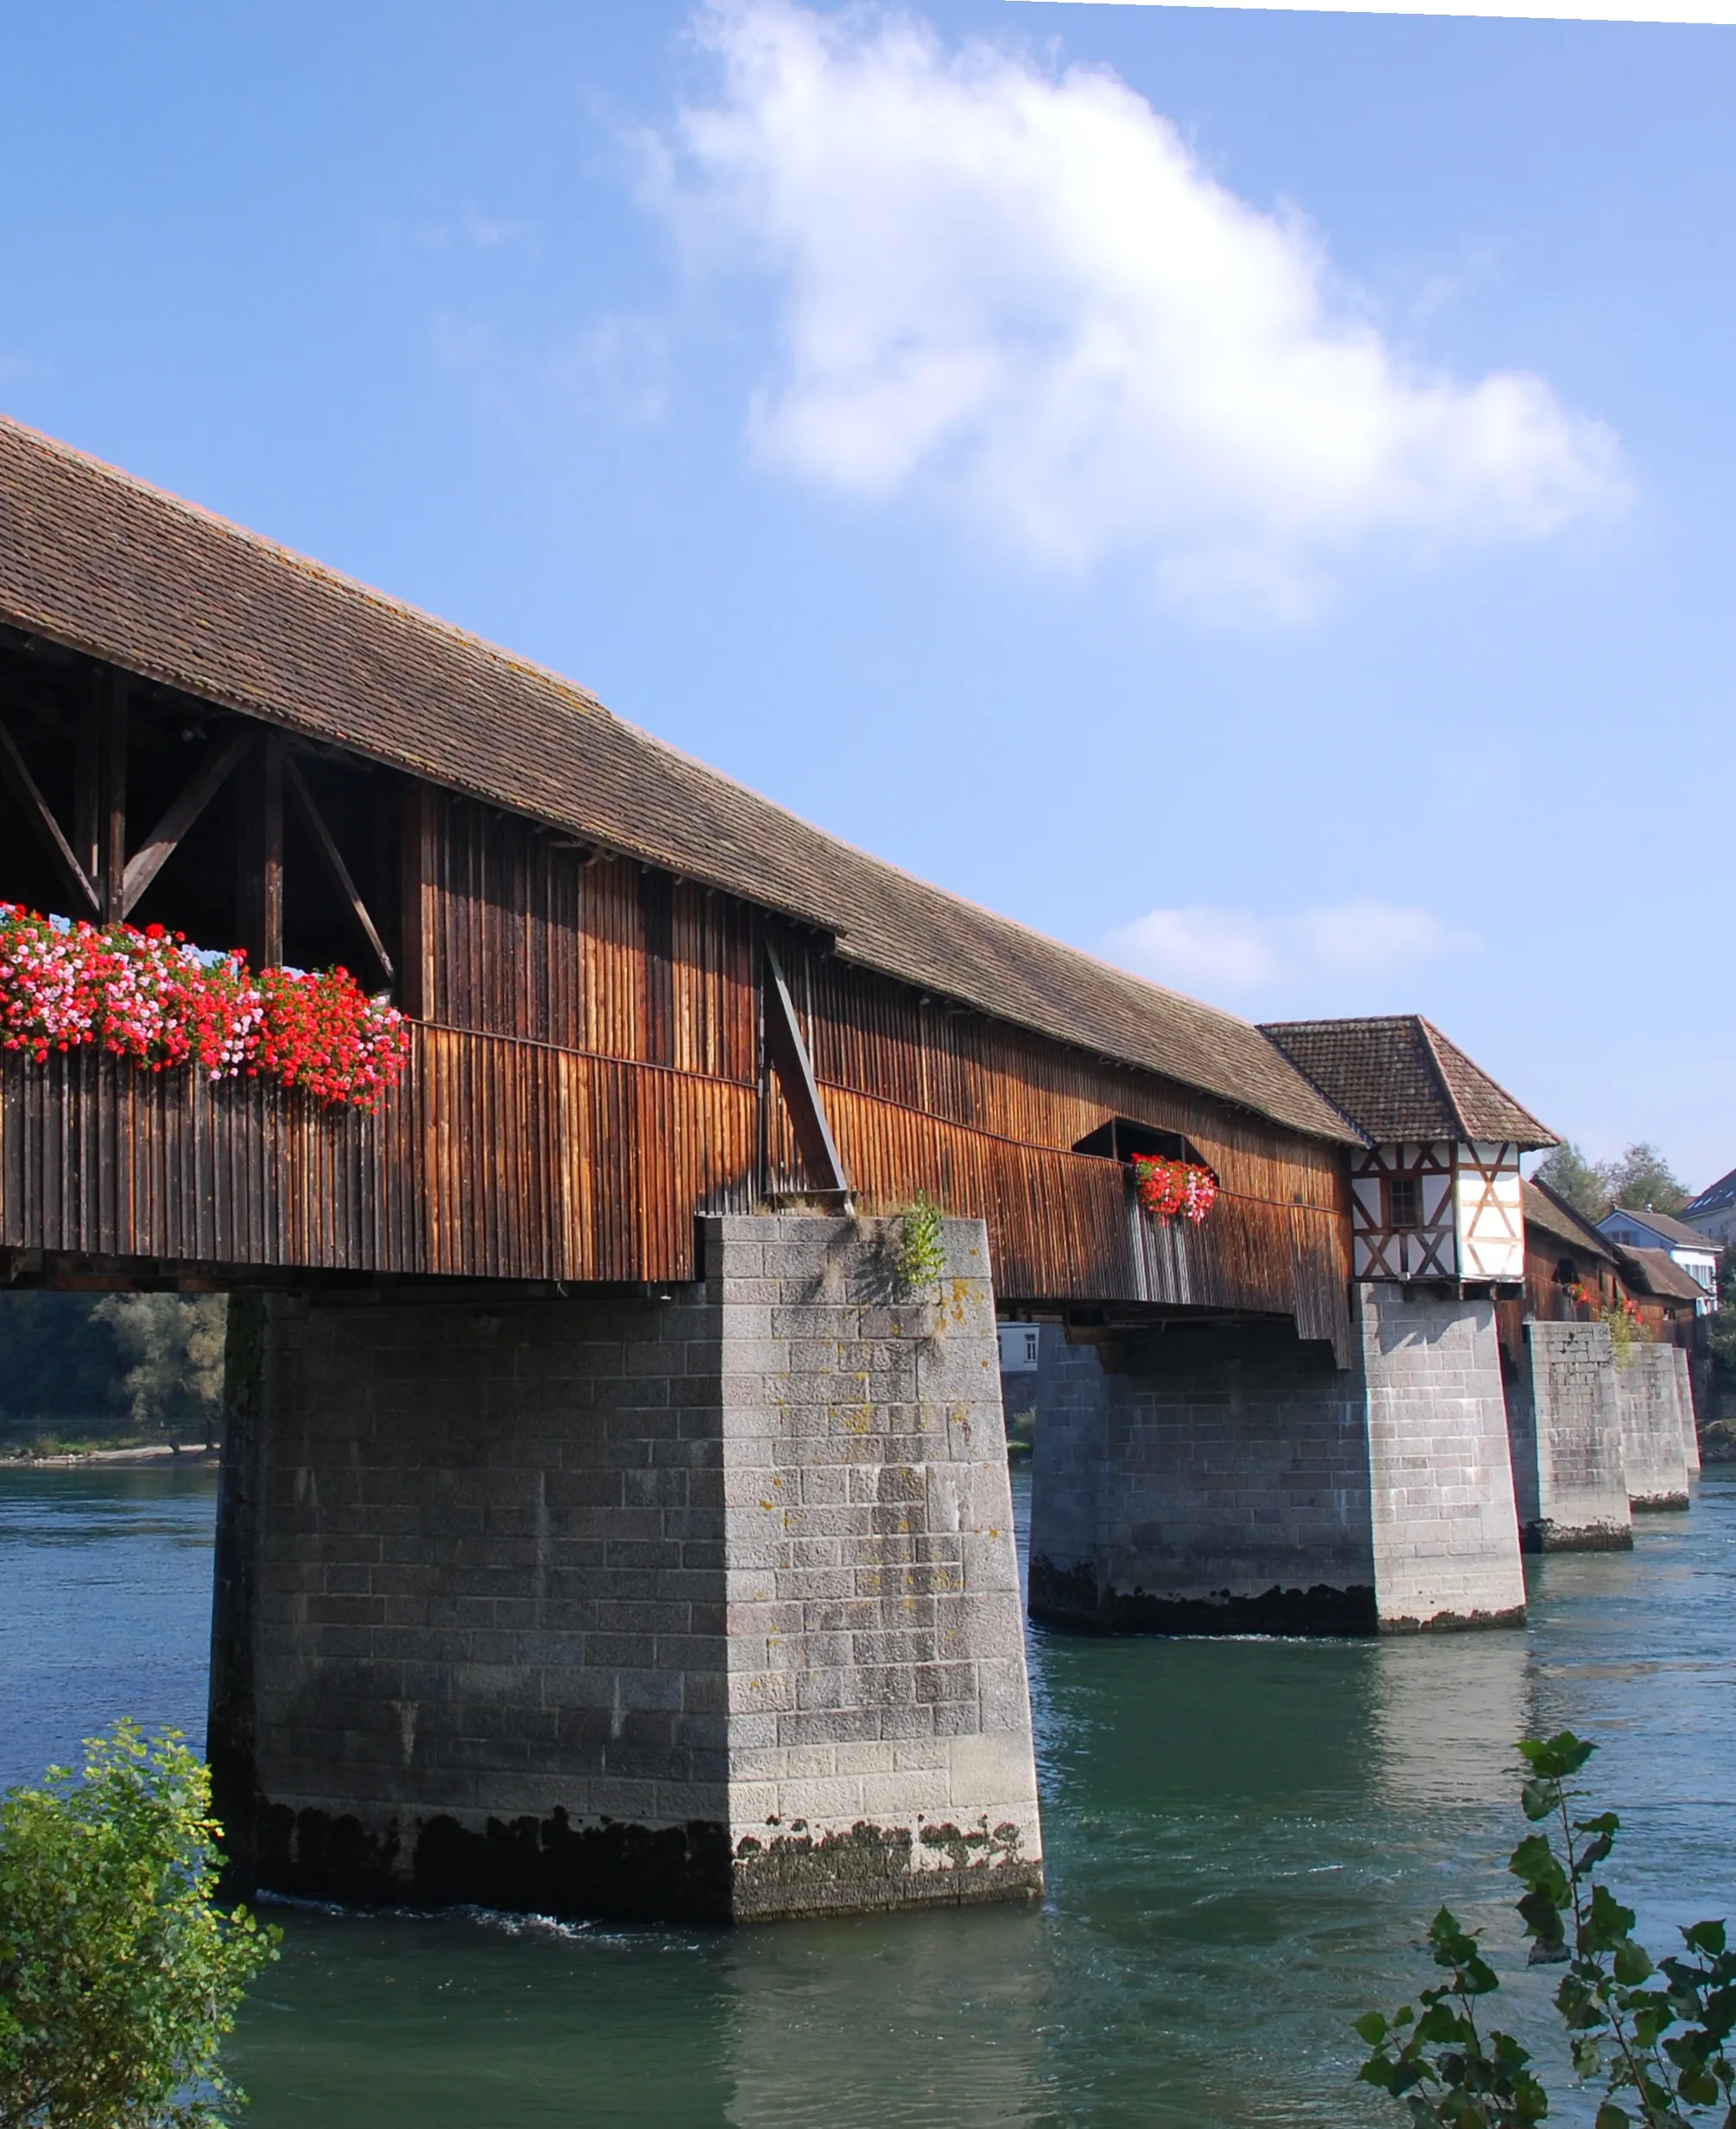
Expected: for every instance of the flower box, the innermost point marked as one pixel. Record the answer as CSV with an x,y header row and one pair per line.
x,y
1168,1189
150,997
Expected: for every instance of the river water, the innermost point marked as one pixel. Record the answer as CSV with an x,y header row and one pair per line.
x,y
1245,1841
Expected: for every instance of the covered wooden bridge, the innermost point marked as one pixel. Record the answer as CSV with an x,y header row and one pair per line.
x,y
204,730
611,1523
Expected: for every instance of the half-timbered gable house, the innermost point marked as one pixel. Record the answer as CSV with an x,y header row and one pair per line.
x,y
1435,1194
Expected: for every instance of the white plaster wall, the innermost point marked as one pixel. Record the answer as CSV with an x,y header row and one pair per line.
x,y
1491,1218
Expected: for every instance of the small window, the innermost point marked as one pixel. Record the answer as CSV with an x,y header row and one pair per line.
x,y
1120,1138
1403,1201
1018,1348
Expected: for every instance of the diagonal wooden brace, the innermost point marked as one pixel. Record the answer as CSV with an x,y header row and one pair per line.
x,y
790,1060
200,788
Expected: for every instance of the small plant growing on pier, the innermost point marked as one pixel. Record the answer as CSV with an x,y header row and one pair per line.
x,y
119,1974
922,1255
1652,2033
1167,1187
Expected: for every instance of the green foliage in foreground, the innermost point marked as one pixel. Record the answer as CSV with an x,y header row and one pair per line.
x,y
119,1974
1653,2033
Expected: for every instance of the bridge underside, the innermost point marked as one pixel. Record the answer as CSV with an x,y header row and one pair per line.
x,y
1210,1477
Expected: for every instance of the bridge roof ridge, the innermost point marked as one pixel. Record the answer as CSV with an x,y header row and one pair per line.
x,y
105,563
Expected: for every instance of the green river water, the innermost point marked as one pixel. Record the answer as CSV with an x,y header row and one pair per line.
x,y
1246,1841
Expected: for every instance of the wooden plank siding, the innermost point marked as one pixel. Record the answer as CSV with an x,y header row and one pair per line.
x,y
588,1076
496,1159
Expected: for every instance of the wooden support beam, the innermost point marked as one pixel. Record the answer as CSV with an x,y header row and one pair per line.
x,y
178,817
111,799
16,771
340,871
87,777
416,831
259,853
790,1060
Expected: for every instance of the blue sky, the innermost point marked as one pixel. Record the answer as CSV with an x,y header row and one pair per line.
x,y
1248,493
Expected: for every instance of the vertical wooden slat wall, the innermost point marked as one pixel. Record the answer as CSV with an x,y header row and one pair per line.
x,y
588,1077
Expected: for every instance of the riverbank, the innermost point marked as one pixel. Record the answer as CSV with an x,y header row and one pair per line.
x,y
143,1455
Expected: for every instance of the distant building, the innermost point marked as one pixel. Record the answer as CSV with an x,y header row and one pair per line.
x,y
1021,1348
1646,1231
1713,1213
1569,1265
1669,1297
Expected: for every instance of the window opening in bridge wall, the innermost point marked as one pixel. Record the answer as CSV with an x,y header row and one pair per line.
x,y
87,747
1121,1137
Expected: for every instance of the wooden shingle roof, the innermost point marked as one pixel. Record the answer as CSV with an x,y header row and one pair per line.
x,y
107,565
1397,1078
1672,1233
1549,1214
1657,1273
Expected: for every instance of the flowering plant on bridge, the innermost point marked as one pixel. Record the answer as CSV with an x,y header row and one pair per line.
x,y
148,995
1167,1187
1627,1325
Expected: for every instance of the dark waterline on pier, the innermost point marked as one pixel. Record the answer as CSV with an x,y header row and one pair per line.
x,y
1244,1838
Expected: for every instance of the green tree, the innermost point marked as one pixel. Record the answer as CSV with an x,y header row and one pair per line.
x,y
174,1344
1721,1329
1642,1179
58,1362
119,1974
1570,1175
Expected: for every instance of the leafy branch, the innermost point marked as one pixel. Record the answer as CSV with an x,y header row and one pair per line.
x,y
1653,2032
120,1975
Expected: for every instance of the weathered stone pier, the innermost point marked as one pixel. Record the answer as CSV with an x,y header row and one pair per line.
x,y
703,1607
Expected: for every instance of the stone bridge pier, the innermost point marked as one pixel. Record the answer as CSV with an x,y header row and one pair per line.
x,y
1565,1423
701,1608
1206,1479
1660,1443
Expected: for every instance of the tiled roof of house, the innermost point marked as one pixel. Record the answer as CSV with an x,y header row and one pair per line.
x,y
1398,1078
1656,1272
1714,1197
1673,1231
1554,1217
105,564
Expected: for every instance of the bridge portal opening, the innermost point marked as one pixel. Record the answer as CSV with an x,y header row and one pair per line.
x,y
123,798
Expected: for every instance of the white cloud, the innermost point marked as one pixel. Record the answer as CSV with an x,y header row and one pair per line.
x,y
1022,297
621,362
1223,953
468,231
